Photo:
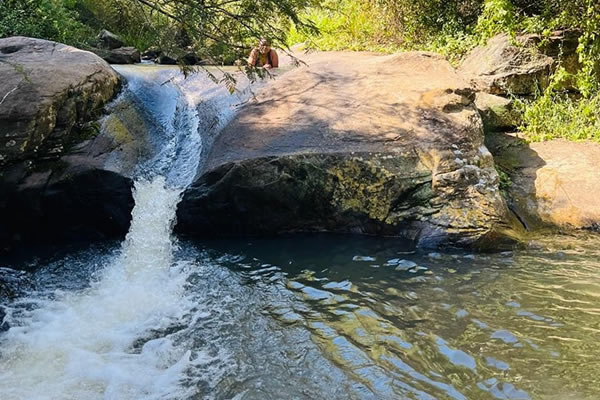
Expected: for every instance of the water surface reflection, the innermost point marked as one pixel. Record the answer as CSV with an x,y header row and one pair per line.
x,y
412,324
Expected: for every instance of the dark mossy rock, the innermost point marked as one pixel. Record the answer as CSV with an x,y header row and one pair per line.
x,y
77,203
189,59
121,55
364,193
151,53
167,59
54,185
108,40
498,113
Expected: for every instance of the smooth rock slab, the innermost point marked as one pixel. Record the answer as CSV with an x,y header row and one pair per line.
x,y
356,142
554,184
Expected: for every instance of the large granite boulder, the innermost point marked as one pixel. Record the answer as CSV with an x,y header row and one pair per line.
x,y
553,184
521,65
47,91
356,142
508,66
53,183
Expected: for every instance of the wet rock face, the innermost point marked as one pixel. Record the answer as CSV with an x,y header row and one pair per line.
x,y
53,184
387,145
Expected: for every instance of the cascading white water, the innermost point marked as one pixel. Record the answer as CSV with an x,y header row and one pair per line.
x,y
81,345
101,342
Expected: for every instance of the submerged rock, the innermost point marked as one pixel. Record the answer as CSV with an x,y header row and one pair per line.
x,y
53,183
13,283
387,145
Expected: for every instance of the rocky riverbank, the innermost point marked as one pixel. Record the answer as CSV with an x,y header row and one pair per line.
x,y
550,185
353,142
53,183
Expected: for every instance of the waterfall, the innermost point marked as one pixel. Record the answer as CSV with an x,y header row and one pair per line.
x,y
118,337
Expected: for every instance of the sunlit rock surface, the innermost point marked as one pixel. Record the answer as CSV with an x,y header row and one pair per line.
x,y
355,142
554,184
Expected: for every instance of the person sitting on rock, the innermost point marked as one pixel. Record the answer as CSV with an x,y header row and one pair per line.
x,y
263,56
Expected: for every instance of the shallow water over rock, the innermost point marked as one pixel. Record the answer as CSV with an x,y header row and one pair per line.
x,y
311,316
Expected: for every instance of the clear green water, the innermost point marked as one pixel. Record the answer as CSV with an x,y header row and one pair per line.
x,y
509,326
342,317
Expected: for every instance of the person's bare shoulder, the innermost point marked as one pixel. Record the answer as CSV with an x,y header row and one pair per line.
x,y
274,59
253,57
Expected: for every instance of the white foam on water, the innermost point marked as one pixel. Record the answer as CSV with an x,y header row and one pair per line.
x,y
124,337
83,345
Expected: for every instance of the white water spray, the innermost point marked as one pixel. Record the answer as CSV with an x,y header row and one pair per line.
x,y
82,345
118,338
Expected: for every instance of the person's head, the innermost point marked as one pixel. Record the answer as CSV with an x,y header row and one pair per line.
x,y
263,46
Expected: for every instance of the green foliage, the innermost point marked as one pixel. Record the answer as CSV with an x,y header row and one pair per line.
x,y
558,116
48,19
217,30
505,181
345,25
498,16
388,25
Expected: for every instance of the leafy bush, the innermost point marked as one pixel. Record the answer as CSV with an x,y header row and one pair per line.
x,y
555,116
47,19
346,25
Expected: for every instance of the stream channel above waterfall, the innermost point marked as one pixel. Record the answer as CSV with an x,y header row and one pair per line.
x,y
307,316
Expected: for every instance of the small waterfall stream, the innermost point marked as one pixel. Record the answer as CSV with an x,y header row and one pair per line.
x,y
101,342
158,317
